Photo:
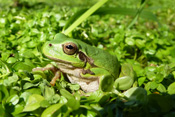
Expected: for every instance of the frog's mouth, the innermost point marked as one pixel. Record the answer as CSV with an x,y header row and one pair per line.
x,y
58,60
66,64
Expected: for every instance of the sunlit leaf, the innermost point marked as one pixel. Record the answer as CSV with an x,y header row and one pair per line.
x,y
14,99
33,102
51,110
171,88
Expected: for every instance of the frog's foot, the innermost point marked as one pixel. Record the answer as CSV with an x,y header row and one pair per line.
x,y
55,70
126,78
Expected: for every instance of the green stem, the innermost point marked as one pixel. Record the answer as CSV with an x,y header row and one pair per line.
x,y
137,15
84,16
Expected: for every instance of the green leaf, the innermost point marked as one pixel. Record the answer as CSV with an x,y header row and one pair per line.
x,y
51,110
161,88
159,77
34,90
11,60
99,96
4,92
22,66
11,80
66,94
141,80
7,68
130,41
74,86
140,43
14,99
33,102
18,109
136,93
44,103
55,98
151,75
171,88
49,92
29,85
73,103
25,96
28,54
153,85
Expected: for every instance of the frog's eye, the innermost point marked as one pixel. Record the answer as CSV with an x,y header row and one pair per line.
x,y
70,48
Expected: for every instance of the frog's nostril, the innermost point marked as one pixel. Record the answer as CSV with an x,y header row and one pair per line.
x,y
50,44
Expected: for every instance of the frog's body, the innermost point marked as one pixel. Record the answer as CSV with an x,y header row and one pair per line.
x,y
88,66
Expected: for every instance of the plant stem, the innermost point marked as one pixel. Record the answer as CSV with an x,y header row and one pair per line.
x,y
137,14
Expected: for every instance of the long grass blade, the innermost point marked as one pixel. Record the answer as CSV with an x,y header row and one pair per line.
x,y
143,2
84,16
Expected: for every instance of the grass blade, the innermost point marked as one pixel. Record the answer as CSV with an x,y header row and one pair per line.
x,y
84,16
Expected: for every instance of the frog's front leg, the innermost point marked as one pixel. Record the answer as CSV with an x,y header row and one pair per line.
x,y
55,70
57,76
126,78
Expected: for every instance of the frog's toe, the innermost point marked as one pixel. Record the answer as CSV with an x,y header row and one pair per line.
x,y
106,83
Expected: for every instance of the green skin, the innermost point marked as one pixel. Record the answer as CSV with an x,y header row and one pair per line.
x,y
92,68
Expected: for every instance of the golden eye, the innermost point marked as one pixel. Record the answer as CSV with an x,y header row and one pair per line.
x,y
70,48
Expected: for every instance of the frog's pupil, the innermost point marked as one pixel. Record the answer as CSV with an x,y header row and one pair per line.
x,y
69,47
50,44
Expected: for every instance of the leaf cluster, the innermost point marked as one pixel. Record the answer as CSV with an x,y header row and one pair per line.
x,y
148,47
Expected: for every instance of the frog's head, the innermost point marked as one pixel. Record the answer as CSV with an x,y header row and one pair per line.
x,y
64,50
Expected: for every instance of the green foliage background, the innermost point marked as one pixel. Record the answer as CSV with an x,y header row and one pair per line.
x,y
24,27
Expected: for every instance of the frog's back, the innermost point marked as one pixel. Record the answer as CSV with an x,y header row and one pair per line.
x,y
106,61
102,58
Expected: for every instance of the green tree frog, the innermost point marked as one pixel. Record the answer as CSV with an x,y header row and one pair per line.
x,y
90,67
